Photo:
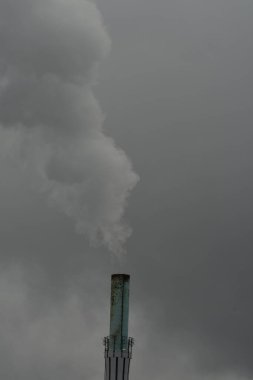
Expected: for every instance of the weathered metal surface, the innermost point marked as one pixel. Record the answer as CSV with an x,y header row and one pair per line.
x,y
119,311
118,346
109,344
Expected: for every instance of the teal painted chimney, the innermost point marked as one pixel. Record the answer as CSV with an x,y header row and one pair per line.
x,y
118,346
119,311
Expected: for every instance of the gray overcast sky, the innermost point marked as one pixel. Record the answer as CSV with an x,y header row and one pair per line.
x,y
176,90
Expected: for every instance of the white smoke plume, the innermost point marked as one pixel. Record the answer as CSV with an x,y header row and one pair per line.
x,y
49,52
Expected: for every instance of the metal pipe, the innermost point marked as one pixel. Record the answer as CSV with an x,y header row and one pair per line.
x,y
119,311
118,346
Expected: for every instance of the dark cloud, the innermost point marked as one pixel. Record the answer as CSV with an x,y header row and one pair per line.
x,y
185,95
177,92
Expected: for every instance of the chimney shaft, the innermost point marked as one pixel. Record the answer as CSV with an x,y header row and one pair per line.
x,y
119,311
118,346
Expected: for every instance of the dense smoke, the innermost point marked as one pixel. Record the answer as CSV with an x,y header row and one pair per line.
x,y
50,120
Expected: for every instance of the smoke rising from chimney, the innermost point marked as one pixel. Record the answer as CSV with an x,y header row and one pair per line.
x,y
50,120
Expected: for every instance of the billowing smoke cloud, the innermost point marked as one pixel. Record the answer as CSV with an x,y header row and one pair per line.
x,y
49,117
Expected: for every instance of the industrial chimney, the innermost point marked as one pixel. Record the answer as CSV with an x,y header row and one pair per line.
x,y
118,346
